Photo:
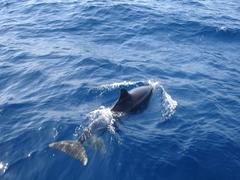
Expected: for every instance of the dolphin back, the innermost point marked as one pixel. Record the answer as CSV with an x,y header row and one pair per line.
x,y
74,149
130,101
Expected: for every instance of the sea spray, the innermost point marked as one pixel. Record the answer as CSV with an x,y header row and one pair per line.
x,y
168,102
119,84
104,116
3,167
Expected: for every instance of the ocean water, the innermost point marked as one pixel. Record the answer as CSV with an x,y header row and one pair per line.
x,y
62,64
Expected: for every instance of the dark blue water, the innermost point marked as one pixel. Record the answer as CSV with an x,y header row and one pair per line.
x,y
62,64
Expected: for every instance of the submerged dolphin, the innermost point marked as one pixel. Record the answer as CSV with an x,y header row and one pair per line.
x,y
128,102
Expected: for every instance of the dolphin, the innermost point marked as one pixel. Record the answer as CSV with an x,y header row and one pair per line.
x,y
128,102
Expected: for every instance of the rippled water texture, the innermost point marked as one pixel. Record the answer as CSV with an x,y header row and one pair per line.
x,y
62,64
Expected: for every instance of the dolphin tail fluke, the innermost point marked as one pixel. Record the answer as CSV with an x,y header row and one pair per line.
x,y
72,148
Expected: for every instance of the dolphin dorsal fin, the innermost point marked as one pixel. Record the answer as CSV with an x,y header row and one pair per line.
x,y
123,93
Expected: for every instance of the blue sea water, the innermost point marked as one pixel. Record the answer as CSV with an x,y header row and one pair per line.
x,y
62,64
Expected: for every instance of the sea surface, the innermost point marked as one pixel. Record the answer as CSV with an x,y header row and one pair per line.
x,y
62,64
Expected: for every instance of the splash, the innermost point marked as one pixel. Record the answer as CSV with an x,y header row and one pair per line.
x,y
154,84
119,84
55,133
104,117
168,102
3,167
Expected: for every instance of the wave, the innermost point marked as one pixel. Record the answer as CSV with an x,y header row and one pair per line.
x,y
104,19
221,33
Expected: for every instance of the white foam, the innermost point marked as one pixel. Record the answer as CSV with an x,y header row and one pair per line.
x,y
118,84
222,28
153,83
3,167
169,103
29,155
55,133
104,116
